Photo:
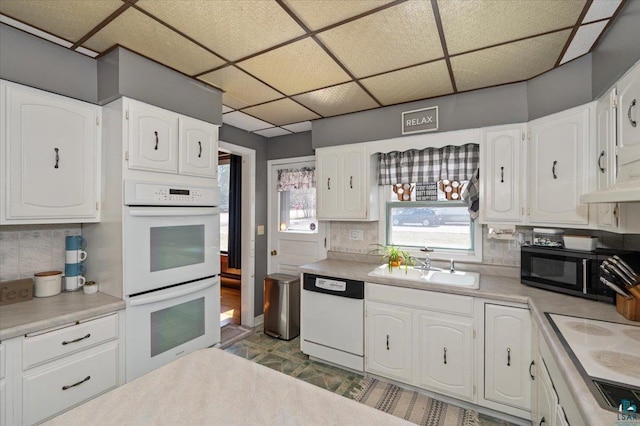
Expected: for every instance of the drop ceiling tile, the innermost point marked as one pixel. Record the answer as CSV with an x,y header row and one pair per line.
x,y
336,100
232,101
281,112
35,31
241,85
472,24
508,63
233,29
136,31
226,109
318,14
274,131
304,126
601,9
295,68
419,82
399,36
243,121
583,40
72,19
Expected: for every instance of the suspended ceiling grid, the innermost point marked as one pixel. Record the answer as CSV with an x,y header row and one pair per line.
x,y
283,63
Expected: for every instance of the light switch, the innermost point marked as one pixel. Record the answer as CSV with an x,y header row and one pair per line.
x,y
260,229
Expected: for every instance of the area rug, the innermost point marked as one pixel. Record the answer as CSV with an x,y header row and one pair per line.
x,y
412,406
232,333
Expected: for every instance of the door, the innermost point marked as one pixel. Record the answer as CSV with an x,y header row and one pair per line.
x,y
446,348
296,235
546,399
607,213
51,155
388,341
507,355
153,138
198,148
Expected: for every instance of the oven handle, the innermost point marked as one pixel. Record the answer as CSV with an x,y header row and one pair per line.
x,y
180,291
163,211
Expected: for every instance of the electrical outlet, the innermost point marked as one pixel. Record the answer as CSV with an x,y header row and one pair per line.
x,y
356,234
260,229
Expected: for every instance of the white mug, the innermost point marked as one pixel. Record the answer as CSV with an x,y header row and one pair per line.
x,y
73,283
75,256
47,283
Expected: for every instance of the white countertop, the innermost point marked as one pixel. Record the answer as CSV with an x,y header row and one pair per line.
x,y
510,290
42,313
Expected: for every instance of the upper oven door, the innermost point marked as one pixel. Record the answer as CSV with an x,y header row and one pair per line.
x,y
558,270
164,246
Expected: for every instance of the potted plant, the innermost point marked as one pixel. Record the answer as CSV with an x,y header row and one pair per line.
x,y
395,256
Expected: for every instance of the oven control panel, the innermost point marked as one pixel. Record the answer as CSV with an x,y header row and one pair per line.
x,y
150,193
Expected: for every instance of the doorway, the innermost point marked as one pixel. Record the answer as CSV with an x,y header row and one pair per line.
x,y
237,279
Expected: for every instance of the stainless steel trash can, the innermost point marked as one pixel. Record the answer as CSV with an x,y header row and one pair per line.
x,y
282,306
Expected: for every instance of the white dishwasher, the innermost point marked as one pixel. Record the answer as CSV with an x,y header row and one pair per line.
x,y
332,320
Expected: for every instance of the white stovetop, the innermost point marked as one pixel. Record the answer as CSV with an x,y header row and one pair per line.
x,y
606,350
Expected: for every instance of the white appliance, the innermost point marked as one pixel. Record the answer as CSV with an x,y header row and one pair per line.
x,y
332,320
171,268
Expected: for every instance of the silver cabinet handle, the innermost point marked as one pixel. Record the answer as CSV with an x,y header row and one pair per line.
x,y
156,148
387,342
57,157
633,122
445,355
76,384
200,149
553,170
66,342
600,159
508,357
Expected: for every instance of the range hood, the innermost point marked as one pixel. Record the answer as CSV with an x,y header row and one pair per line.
x,y
621,192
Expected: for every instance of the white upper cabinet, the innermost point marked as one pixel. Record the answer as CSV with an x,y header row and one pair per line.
x,y
50,157
629,125
503,174
198,148
167,142
345,182
559,165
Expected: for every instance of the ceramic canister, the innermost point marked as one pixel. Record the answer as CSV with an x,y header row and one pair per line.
x,y
48,283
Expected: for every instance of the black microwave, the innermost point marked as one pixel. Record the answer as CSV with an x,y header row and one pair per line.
x,y
570,271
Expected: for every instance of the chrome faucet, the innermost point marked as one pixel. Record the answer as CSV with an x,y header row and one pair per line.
x,y
452,266
423,264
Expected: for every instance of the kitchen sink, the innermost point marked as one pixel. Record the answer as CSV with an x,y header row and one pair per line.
x,y
455,279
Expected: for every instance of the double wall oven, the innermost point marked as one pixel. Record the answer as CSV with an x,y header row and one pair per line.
x,y
171,268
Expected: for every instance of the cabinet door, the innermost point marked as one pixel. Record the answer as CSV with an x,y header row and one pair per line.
x,y
629,125
559,167
507,355
353,189
388,341
328,187
503,174
546,399
445,354
51,146
198,148
607,213
153,138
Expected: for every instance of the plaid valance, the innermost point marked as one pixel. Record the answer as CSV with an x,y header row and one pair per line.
x,y
429,164
302,178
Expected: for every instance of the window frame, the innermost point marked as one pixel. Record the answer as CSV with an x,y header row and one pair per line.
x,y
472,256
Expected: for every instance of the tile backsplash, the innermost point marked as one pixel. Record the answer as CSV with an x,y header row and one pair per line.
x,y
27,249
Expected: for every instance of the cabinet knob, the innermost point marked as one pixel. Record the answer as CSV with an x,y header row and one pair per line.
x,y
329,183
199,149
553,170
76,384
387,342
156,148
57,157
508,357
502,174
274,252
66,342
445,355
599,160
633,122
530,367
351,182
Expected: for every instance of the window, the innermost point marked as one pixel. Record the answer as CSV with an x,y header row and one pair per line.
x,y
297,200
224,169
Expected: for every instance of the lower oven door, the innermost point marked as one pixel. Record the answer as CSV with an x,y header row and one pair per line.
x,y
164,325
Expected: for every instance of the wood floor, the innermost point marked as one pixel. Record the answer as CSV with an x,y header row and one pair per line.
x,y
229,305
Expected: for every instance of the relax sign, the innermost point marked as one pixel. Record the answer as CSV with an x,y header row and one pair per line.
x,y
420,120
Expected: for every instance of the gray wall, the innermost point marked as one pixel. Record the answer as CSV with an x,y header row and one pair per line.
x,y
618,50
35,62
289,146
258,143
124,73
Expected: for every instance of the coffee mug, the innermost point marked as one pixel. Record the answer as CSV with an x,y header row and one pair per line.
x,y
75,256
74,242
47,283
73,269
73,283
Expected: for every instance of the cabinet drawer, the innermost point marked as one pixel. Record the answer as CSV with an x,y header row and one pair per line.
x,y
422,299
60,385
2,361
48,346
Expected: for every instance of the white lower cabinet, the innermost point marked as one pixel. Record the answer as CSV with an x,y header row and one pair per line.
x,y
546,398
388,341
446,354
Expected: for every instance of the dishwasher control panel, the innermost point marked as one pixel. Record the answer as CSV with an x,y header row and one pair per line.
x,y
333,285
